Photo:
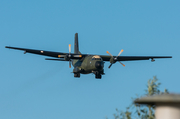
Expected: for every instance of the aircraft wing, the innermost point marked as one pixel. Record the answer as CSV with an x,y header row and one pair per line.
x,y
131,58
61,55
48,53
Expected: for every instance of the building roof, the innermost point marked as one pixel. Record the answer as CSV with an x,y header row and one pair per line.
x,y
163,98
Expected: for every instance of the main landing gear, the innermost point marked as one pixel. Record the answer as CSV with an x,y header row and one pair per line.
x,y
98,75
77,75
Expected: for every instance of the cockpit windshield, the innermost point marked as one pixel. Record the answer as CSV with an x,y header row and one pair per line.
x,y
96,57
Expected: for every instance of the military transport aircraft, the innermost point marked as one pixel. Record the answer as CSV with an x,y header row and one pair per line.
x,y
86,63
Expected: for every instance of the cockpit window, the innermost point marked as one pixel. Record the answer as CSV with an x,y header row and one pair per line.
x,y
96,57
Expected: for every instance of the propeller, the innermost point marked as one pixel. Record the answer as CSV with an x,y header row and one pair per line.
x,y
67,57
114,58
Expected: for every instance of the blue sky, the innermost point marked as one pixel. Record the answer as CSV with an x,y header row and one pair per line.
x,y
31,87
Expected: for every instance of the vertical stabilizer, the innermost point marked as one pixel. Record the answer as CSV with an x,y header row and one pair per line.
x,y
76,45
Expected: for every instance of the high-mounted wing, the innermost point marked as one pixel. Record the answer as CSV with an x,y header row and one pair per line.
x,y
131,58
119,58
114,59
39,52
66,56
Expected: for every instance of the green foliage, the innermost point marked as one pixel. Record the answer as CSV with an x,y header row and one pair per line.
x,y
142,112
152,87
122,115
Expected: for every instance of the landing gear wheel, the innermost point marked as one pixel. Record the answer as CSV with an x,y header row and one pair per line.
x,y
77,75
98,76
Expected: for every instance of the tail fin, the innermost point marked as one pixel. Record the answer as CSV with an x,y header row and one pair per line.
x,y
76,45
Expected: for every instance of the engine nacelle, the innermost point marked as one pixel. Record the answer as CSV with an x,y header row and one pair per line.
x,y
112,60
77,70
67,58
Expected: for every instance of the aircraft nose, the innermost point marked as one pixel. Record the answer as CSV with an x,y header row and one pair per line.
x,y
99,64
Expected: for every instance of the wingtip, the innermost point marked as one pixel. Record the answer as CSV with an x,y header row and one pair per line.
x,y
7,47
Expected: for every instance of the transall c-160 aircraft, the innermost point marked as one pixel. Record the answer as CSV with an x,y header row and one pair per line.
x,y
86,63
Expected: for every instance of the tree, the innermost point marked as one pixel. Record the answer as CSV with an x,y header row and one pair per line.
x,y
142,112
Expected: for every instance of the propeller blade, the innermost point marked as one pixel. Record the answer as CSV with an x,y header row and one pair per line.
x,y
69,48
69,63
120,52
121,63
109,53
114,59
110,65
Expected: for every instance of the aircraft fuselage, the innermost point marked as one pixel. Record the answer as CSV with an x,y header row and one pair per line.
x,y
90,64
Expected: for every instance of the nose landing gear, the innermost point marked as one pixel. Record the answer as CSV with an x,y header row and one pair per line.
x,y
77,75
98,75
